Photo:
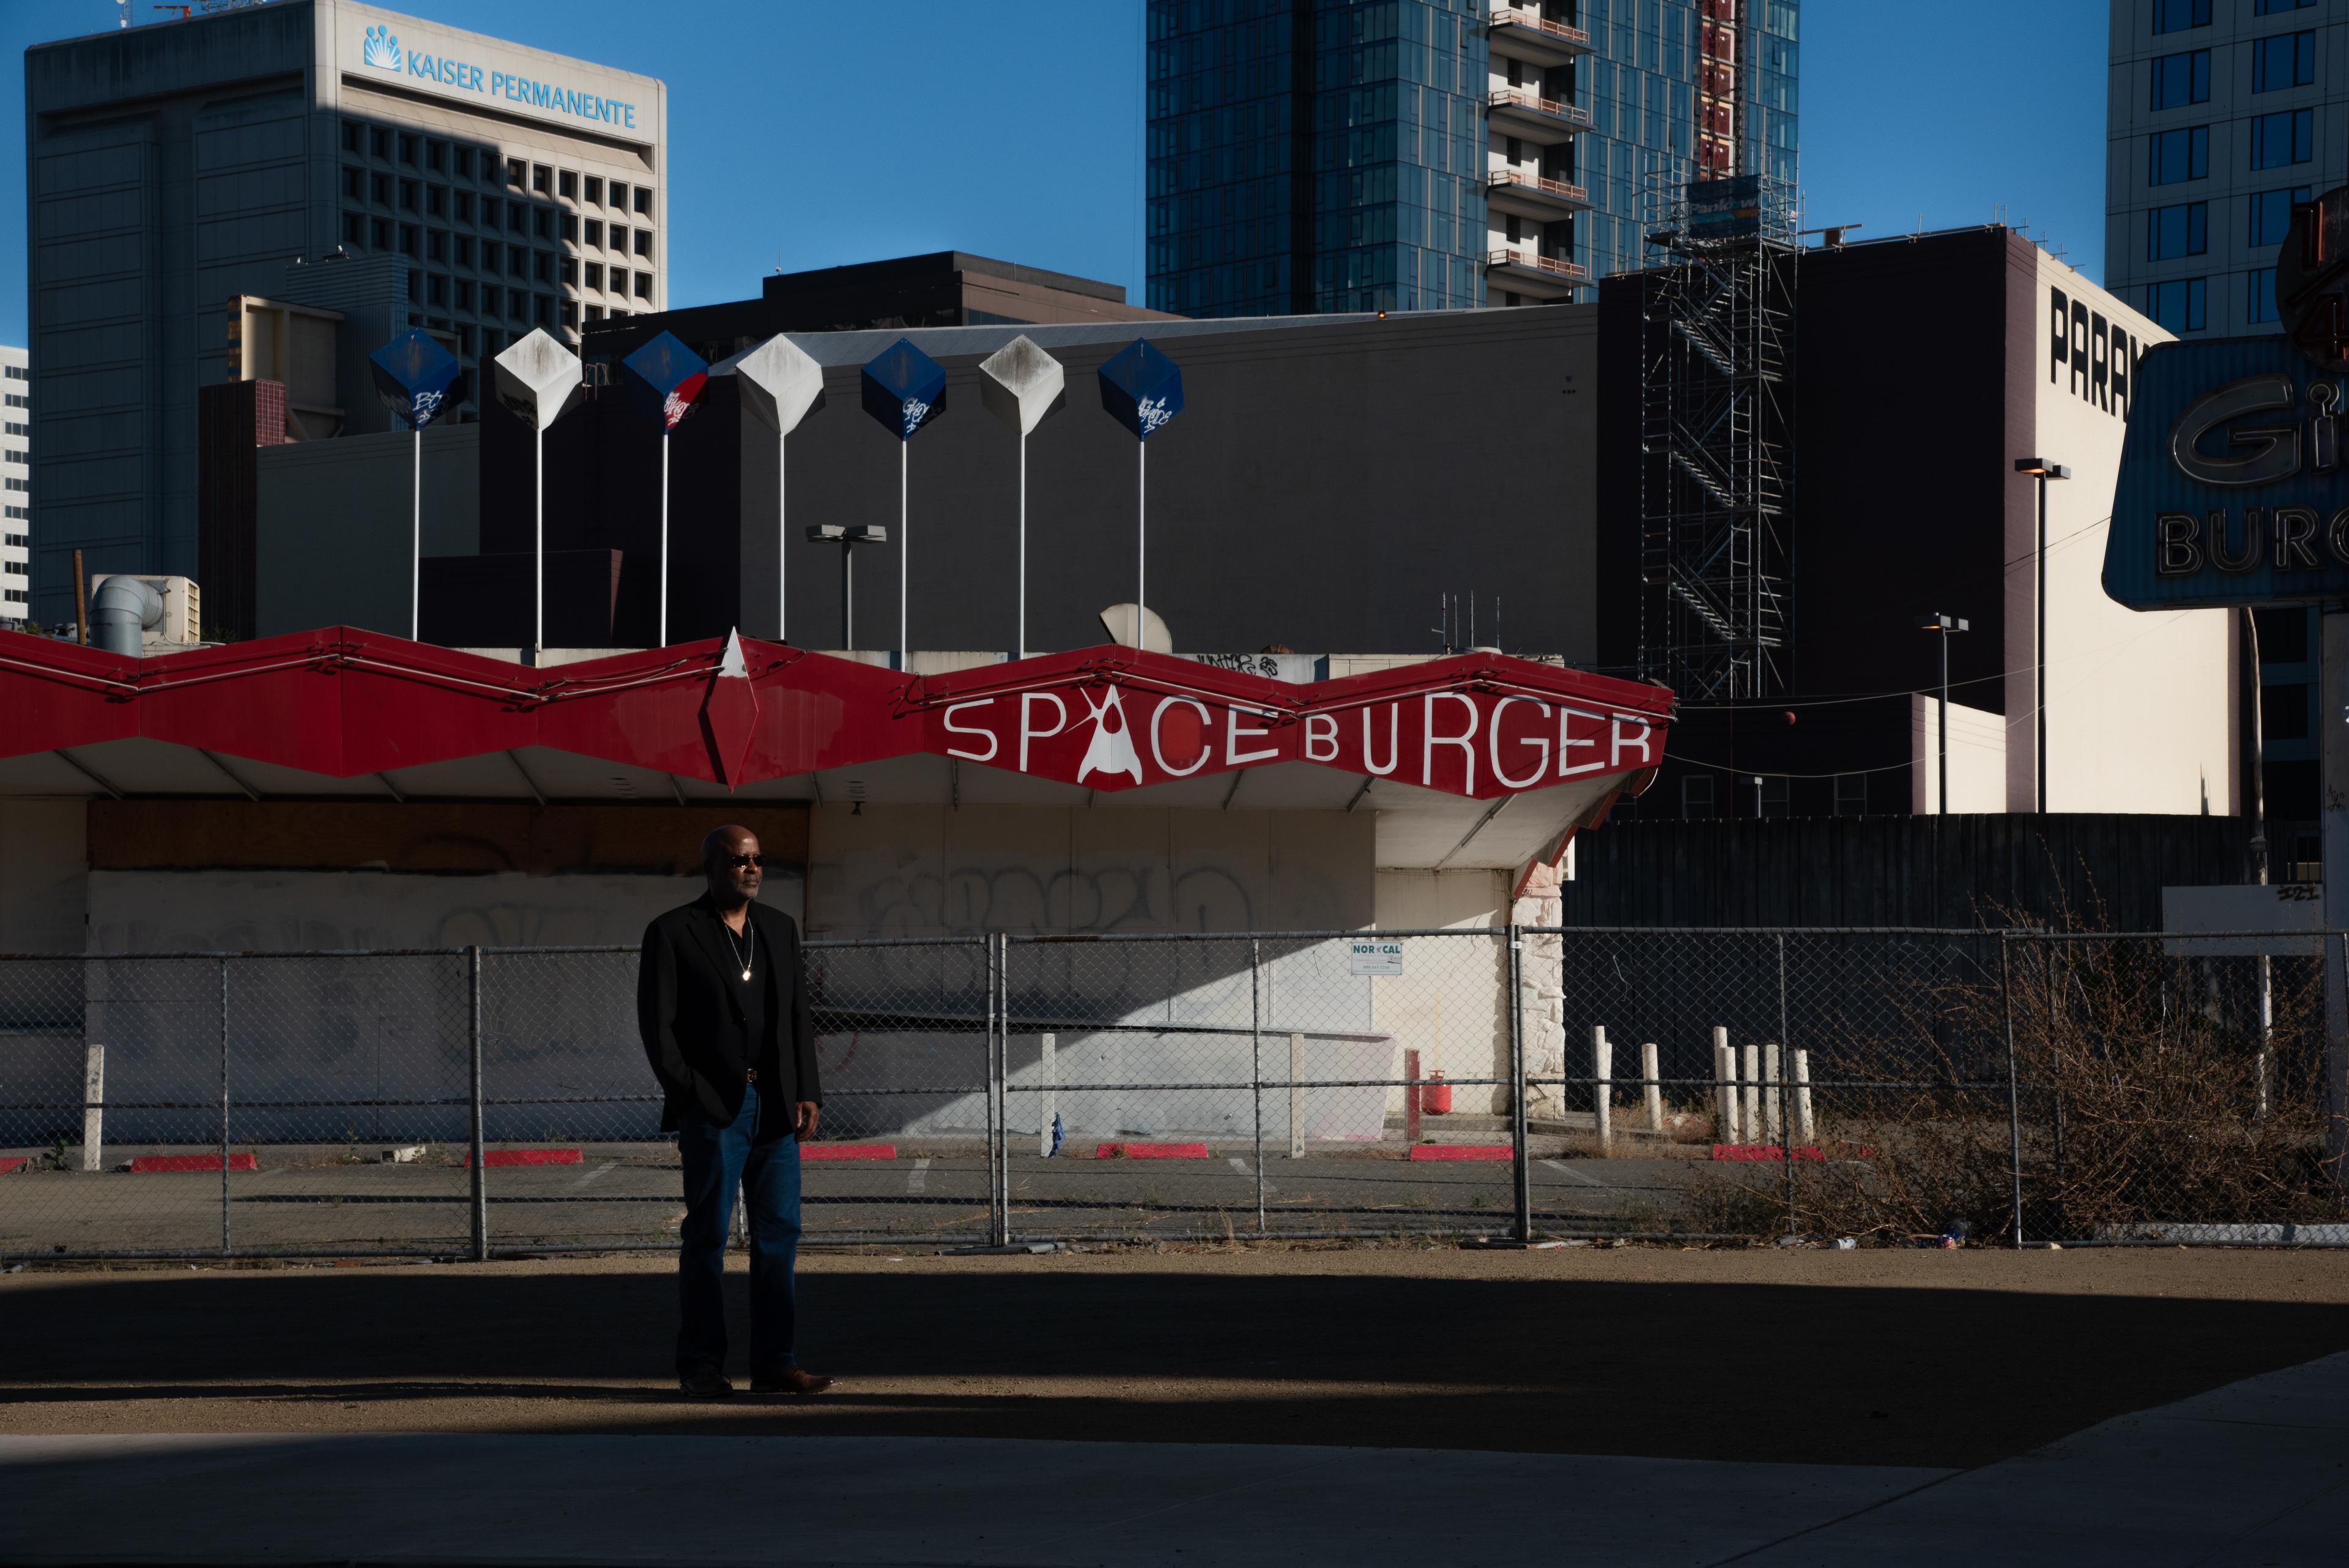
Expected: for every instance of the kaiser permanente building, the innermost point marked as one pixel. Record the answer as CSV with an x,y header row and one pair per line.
x,y
174,167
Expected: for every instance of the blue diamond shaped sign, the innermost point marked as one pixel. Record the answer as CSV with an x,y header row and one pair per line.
x,y
413,375
664,380
1142,389
904,389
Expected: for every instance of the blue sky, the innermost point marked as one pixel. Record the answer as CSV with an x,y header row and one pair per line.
x,y
806,134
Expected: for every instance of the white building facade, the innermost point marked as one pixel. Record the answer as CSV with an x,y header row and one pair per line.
x,y
16,483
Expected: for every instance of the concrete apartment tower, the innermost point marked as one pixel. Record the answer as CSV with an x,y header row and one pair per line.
x,y
16,483
2220,114
1308,156
180,169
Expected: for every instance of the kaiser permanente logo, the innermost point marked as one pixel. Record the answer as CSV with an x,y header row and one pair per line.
x,y
381,51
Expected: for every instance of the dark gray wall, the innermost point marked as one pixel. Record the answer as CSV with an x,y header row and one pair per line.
x,y
1322,484
1966,870
167,167
333,526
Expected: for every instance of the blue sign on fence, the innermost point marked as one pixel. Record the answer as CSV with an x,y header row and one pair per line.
x,y
2231,485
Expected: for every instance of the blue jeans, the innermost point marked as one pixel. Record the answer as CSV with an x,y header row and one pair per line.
x,y
716,1158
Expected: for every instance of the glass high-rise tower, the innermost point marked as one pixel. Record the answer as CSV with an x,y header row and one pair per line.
x,y
1333,155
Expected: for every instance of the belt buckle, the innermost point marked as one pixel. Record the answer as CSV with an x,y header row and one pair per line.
x,y
750,1075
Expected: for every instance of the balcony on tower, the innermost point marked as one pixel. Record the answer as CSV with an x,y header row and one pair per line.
x,y
1525,271
1529,117
1514,191
1520,32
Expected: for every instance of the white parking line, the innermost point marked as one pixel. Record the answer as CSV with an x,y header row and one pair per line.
x,y
1564,1170
918,1179
594,1173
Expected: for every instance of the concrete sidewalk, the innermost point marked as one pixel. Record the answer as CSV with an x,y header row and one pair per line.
x,y
2256,1473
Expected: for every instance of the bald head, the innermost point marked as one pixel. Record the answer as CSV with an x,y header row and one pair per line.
x,y
730,859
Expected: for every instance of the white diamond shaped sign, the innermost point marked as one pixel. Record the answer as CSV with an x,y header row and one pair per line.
x,y
1020,384
537,380
779,383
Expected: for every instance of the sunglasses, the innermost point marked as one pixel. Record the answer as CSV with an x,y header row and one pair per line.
x,y
743,862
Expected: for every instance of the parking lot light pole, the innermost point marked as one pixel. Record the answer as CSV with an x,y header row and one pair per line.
x,y
1945,626
2042,470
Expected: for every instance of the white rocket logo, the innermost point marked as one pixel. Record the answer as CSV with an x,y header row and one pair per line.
x,y
1111,751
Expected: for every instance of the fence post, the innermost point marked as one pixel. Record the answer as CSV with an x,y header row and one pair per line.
x,y
1295,1096
223,1106
1724,1085
1602,1087
1048,1102
1523,1173
480,1194
1654,1081
93,1108
1804,1127
1774,1095
1255,1068
998,1140
2013,1092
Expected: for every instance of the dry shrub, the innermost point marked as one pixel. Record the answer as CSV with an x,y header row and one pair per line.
x,y
2149,1092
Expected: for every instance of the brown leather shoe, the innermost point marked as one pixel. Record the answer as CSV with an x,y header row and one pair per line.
x,y
705,1385
790,1380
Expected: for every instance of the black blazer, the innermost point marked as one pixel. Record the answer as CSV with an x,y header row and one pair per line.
x,y
693,1026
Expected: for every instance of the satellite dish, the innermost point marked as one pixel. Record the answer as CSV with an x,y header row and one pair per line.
x,y
1118,620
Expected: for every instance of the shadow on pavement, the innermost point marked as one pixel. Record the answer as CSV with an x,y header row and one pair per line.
x,y
1732,1371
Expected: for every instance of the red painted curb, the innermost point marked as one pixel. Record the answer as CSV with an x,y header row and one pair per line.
x,y
1461,1151
8,1165
1151,1151
848,1151
194,1162
526,1156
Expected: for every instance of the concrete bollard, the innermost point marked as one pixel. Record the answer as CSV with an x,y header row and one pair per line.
x,y
1724,1082
1602,1086
1805,1131
1774,1094
1654,1086
93,1108
1295,1096
1749,1092
1048,1104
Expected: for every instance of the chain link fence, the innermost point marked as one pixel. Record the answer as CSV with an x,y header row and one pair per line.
x,y
1514,1084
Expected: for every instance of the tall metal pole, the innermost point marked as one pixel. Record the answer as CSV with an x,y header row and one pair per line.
x,y
2334,750
904,547
847,596
224,1105
473,1055
1943,804
1522,1175
1141,542
2013,1092
416,541
2042,698
780,544
1256,1066
783,547
664,541
1022,643
538,550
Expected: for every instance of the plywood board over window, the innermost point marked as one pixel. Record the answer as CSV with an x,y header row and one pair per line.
x,y
429,839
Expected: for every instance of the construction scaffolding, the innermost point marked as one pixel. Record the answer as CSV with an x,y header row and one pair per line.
x,y
1716,432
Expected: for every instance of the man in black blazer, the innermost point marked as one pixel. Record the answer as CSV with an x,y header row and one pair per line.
x,y
722,1004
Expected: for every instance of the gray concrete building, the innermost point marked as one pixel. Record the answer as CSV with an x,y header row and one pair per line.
x,y
178,170
2220,114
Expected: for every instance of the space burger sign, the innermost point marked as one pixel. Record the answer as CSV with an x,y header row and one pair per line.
x,y
1109,735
